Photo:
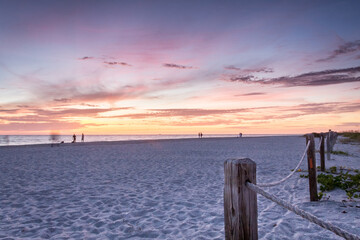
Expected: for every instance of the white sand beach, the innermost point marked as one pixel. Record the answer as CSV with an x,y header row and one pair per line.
x,y
160,189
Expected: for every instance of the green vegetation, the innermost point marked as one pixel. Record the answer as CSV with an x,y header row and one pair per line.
x,y
339,153
316,135
348,182
321,195
339,178
333,169
351,136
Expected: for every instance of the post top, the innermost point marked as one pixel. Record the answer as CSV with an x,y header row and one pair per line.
x,y
240,161
309,135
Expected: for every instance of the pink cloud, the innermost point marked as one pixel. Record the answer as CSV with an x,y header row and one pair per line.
x,y
36,126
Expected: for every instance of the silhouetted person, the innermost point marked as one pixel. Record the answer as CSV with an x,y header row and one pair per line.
x,y
74,138
82,137
54,138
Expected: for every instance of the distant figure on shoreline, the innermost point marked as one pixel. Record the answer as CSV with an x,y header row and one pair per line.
x,y
6,140
54,138
200,134
74,138
82,137
240,134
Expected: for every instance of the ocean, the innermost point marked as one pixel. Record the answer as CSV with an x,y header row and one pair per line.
x,y
11,140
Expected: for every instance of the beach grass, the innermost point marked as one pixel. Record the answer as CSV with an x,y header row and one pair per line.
x,y
340,153
351,136
344,181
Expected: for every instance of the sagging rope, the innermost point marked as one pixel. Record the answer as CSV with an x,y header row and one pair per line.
x,y
338,231
288,176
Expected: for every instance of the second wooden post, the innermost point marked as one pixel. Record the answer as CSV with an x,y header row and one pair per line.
x,y
240,202
328,145
312,167
322,152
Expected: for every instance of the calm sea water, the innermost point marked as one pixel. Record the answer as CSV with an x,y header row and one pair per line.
x,y
6,140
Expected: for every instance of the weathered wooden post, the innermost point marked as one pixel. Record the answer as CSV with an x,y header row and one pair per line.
x,y
328,145
333,139
312,167
240,203
322,152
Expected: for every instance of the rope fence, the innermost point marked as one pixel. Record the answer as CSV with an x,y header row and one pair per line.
x,y
338,231
288,176
240,201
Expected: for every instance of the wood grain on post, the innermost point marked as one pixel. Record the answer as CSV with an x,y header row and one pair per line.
x,y
322,152
240,203
312,167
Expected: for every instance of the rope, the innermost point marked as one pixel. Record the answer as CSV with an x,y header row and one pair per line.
x,y
338,231
288,176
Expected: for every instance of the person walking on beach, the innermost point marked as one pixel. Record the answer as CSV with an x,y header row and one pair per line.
x,y
82,137
74,138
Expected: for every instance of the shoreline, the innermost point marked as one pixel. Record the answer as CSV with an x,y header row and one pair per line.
x,y
140,141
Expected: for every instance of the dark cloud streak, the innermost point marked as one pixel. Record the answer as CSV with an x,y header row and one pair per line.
x,y
172,65
86,58
63,100
250,94
349,47
232,67
321,78
117,63
249,70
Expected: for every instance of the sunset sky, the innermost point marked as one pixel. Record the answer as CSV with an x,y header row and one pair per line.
x,y
179,67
